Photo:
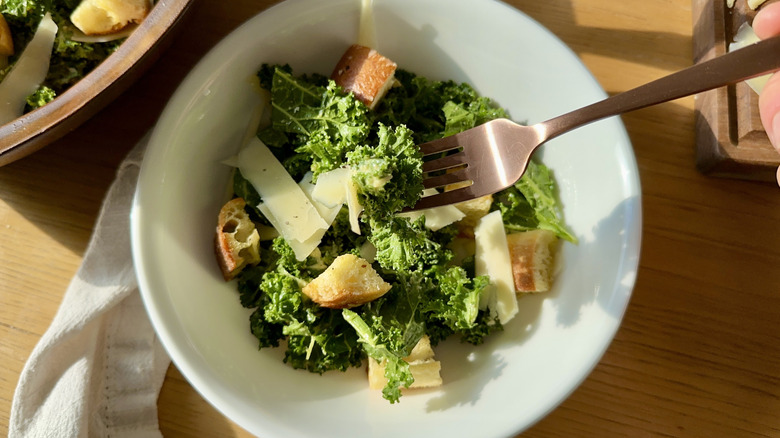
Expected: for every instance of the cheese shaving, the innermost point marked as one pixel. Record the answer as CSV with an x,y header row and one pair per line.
x,y
746,36
438,217
492,259
28,73
297,218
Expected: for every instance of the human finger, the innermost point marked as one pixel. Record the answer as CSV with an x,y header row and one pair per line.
x,y
767,21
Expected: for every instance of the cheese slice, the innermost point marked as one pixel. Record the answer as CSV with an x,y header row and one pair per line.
x,y
367,252
304,248
29,71
331,187
296,217
492,259
746,36
353,203
328,213
436,218
336,188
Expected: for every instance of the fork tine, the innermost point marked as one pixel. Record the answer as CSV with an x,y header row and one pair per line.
x,y
440,145
454,160
451,197
446,179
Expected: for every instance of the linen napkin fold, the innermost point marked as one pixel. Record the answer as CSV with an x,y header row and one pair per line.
x,y
98,369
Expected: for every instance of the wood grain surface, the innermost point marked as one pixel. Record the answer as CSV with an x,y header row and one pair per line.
x,y
698,351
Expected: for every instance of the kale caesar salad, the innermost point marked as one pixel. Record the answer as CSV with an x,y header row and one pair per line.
x,y
46,46
319,239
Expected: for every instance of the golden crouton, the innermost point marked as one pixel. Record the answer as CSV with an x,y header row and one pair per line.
x,y
425,370
348,282
237,241
532,255
365,73
100,17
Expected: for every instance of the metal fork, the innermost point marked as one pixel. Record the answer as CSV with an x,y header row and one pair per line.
x,y
493,156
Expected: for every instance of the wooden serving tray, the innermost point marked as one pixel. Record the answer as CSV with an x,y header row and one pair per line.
x,y
730,140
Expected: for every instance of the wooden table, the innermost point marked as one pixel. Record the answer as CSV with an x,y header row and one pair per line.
x,y
698,353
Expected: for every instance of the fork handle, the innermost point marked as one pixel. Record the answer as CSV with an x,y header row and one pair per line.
x,y
754,60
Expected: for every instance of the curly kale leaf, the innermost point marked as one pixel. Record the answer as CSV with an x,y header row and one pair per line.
x,y
455,300
531,203
40,97
389,175
419,104
330,121
21,8
462,116
318,339
404,245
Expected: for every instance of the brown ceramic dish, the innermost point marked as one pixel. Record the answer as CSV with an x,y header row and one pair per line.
x,y
42,126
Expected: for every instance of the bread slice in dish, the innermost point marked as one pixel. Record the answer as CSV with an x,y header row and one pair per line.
x,y
237,242
532,255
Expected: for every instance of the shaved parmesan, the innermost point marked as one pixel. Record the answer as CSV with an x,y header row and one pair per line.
x,y
328,213
331,187
29,71
336,188
296,217
301,248
354,206
438,217
492,259
368,252
746,36
304,248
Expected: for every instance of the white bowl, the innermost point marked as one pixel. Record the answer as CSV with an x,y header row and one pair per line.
x,y
497,389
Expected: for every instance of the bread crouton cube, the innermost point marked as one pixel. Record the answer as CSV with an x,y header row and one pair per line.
x,y
425,370
365,73
348,282
532,254
237,241
101,17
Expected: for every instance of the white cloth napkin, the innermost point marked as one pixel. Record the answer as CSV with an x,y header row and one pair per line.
x,y
98,369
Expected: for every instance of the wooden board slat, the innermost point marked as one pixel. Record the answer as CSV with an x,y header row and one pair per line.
x,y
730,142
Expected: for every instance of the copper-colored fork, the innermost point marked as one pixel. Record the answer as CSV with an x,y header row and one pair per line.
x,y
493,156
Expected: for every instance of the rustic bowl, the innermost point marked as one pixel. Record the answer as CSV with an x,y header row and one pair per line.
x,y
115,74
